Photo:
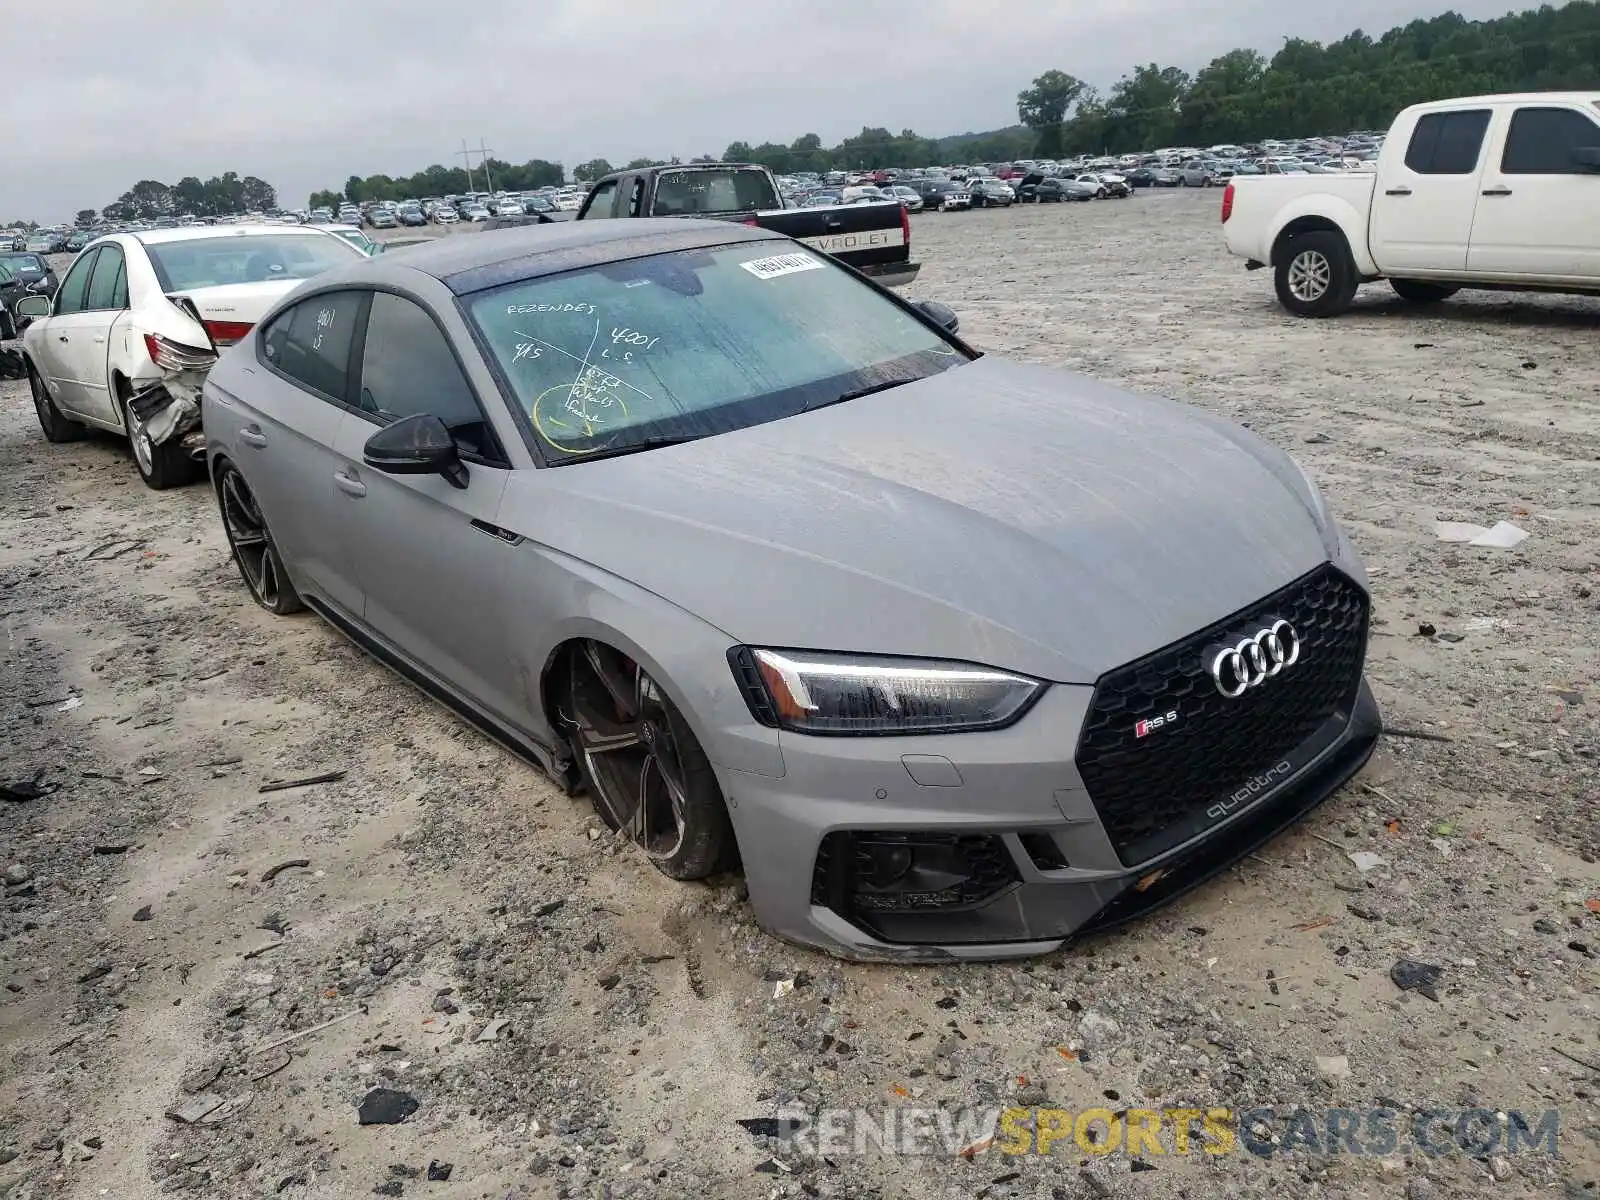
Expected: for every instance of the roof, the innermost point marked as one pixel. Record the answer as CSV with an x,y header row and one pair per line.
x,y
1514,98
189,233
470,262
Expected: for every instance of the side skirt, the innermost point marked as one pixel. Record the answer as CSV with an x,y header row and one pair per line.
x,y
536,753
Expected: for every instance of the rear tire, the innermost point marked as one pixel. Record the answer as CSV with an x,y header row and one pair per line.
x,y
1314,275
1415,291
56,426
254,552
161,466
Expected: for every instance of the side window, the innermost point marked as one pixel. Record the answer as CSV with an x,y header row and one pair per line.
x,y
600,199
75,287
407,368
1541,141
636,197
110,278
1447,143
310,342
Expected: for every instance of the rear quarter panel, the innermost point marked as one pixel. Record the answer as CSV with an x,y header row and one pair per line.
x,y
1263,206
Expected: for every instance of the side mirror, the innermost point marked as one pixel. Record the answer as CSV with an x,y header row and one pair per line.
x,y
416,445
29,309
1587,157
941,315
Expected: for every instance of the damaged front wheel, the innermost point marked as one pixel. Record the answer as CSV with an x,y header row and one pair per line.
x,y
251,542
161,465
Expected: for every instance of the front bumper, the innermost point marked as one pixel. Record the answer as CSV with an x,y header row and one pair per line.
x,y
1011,801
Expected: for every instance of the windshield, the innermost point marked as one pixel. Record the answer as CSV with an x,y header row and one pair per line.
x,y
22,262
713,190
251,258
695,343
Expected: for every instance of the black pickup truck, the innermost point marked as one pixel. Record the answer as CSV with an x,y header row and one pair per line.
x,y
875,238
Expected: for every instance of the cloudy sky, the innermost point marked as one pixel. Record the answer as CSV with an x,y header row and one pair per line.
x,y
304,93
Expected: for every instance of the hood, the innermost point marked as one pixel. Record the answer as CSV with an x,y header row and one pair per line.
x,y
1001,513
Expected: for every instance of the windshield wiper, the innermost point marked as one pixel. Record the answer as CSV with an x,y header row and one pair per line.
x,y
869,390
649,443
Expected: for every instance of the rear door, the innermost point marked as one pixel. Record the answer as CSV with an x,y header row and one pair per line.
x,y
1423,204
429,555
288,420
62,352
1539,213
105,304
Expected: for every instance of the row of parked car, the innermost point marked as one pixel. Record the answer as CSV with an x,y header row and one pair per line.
x,y
940,193
450,210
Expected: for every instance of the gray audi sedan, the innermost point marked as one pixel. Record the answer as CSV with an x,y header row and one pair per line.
x,y
957,657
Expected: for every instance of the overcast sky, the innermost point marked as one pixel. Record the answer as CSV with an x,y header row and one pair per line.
x,y
303,93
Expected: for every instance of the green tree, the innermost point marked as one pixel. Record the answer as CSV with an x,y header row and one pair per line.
x,y
591,170
1043,108
84,219
640,163
738,152
1213,109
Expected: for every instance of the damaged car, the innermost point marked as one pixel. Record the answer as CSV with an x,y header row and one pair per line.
x,y
139,320
959,657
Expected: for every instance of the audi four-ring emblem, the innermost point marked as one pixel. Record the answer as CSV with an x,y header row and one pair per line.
x,y
1254,660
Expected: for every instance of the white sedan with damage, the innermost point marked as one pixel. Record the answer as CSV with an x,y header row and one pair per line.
x,y
138,322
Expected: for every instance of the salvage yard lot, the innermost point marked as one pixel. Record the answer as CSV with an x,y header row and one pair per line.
x,y
644,1018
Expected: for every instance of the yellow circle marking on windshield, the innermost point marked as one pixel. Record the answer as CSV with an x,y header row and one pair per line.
x,y
581,419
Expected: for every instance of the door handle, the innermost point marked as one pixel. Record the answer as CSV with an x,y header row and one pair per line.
x,y
349,485
1399,191
253,437
1499,191
100,340
831,225
61,337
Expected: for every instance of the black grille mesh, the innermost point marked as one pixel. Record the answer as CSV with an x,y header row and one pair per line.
x,y
1149,791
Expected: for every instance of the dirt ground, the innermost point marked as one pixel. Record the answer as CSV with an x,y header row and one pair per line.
x,y
441,886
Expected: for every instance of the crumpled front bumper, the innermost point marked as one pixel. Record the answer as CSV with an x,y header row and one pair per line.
x,y
1053,870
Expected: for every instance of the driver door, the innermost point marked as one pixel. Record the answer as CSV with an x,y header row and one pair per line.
x,y
430,559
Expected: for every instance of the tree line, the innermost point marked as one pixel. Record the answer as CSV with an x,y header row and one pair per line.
x,y
220,196
1308,88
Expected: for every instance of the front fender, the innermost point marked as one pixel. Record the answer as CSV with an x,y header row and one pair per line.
x,y
685,655
1352,222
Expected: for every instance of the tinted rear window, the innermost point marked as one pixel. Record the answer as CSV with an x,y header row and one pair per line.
x,y
1447,143
246,258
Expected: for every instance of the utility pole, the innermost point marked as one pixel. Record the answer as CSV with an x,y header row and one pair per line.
x,y
465,156
485,151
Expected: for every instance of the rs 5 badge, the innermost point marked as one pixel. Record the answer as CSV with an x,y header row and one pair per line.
x,y
1151,724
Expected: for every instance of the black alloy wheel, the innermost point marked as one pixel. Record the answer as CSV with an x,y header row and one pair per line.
x,y
643,766
254,551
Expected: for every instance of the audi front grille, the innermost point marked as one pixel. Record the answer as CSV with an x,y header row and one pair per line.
x,y
1181,776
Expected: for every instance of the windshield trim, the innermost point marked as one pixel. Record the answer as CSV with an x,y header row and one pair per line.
x,y
538,449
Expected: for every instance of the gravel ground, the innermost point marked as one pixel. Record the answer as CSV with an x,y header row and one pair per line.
x,y
442,889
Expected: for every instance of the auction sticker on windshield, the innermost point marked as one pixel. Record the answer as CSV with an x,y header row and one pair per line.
x,y
782,264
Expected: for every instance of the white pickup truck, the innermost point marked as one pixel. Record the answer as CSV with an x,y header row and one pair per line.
x,y
1499,192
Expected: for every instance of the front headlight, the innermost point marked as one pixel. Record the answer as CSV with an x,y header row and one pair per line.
x,y
861,694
